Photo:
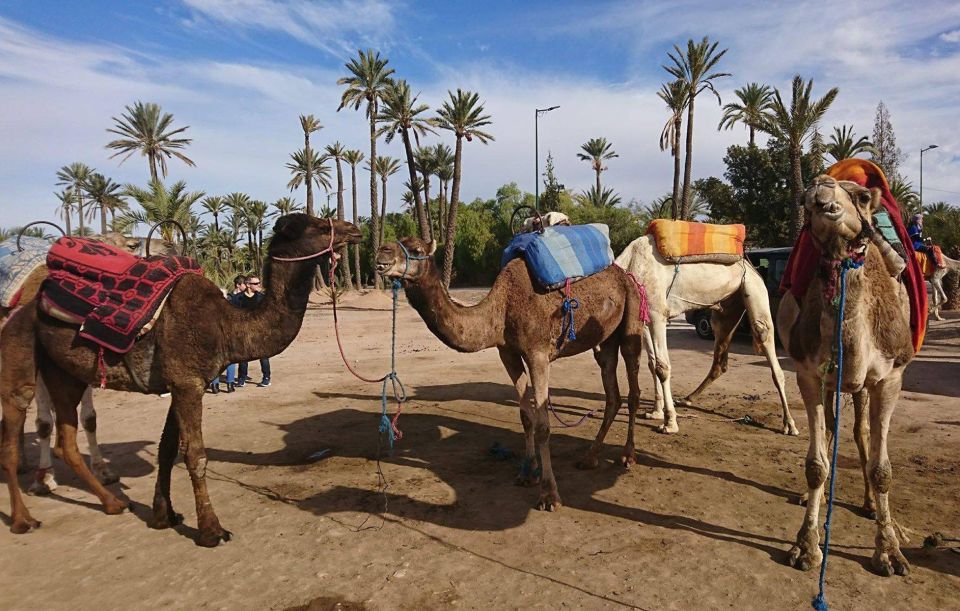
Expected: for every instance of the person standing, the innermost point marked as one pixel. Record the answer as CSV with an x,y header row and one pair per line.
x,y
239,286
249,299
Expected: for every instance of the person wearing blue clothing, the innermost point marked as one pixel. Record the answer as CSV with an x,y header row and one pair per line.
x,y
249,299
239,286
915,231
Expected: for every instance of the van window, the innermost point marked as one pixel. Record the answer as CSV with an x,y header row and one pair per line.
x,y
779,266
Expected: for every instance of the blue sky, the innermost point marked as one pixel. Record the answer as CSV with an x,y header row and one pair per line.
x,y
240,72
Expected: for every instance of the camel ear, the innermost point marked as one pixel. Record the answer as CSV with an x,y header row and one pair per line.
x,y
433,247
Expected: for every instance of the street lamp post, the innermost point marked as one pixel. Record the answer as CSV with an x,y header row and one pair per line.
x,y
536,153
922,151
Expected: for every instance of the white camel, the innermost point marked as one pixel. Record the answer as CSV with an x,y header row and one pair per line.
x,y
939,296
730,289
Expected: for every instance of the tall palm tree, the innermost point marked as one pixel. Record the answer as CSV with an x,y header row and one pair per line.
x,y
336,151
401,114
674,95
74,177
384,168
286,205
105,194
147,129
67,202
354,158
159,203
596,151
368,82
308,167
844,144
605,198
794,125
214,206
463,114
427,166
257,213
444,173
309,124
695,68
754,101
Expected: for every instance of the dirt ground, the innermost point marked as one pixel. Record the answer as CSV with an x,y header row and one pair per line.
x,y
704,520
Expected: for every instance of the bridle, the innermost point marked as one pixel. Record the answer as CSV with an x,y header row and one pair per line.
x,y
328,250
407,257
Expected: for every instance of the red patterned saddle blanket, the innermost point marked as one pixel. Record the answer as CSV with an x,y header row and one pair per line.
x,y
111,293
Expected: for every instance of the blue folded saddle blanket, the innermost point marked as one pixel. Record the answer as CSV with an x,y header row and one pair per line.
x,y
561,253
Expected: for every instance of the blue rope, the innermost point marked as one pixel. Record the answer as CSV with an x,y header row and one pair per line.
x,y
819,603
566,325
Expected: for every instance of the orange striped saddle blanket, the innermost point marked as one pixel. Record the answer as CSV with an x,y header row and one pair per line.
x,y
689,242
927,264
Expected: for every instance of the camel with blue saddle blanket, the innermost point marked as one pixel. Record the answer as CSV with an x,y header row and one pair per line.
x,y
532,324
688,266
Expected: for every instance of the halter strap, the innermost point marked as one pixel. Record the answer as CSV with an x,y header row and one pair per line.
x,y
327,250
407,258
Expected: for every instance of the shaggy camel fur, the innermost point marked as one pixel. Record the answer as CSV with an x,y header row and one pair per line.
x,y
734,288
939,296
196,335
523,322
45,481
877,346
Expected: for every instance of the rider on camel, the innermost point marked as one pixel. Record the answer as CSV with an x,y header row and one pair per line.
x,y
915,231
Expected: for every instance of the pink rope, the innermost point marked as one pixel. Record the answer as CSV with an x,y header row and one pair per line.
x,y
328,249
641,292
102,368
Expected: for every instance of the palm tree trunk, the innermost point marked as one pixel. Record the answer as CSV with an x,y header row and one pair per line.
x,y
374,220
80,215
598,170
677,130
306,152
66,217
426,205
452,220
383,211
797,187
688,161
103,219
417,201
152,157
441,204
356,247
344,252
216,225
752,136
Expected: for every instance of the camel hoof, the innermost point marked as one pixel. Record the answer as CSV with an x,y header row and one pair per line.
x,y
165,517
628,459
23,526
588,462
212,538
684,402
652,415
668,428
42,487
114,506
526,480
804,560
790,429
104,475
888,565
869,512
549,501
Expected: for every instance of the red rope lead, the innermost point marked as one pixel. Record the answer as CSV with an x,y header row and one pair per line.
x,y
102,368
641,292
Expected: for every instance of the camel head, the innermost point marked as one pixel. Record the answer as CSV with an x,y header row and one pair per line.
x,y
840,214
405,259
138,246
300,235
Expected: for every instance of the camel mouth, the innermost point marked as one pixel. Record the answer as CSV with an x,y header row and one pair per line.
x,y
833,215
383,268
353,235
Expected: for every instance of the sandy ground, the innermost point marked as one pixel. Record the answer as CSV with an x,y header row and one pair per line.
x,y
703,521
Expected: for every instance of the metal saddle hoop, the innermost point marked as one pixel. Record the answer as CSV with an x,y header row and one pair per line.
x,y
517,210
28,225
183,235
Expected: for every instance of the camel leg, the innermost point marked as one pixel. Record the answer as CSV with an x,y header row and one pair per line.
x,y
724,327
528,475
539,366
662,371
861,434
188,406
17,388
650,347
630,348
887,558
163,514
65,393
88,416
764,337
46,480
606,357
806,554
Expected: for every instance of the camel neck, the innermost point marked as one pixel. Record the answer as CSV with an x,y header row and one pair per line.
x,y
463,328
271,325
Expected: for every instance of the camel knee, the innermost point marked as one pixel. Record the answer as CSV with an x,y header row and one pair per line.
x,y
20,398
881,476
816,473
661,369
761,331
542,432
196,463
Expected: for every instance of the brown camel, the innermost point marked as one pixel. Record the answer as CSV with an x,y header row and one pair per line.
x,y
196,335
524,323
877,347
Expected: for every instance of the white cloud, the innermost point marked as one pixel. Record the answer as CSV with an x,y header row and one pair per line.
x,y
951,36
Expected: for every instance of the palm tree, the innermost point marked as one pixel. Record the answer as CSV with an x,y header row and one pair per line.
x,y
336,151
427,165
257,217
308,167
286,205
214,206
793,126
368,82
444,173
909,200
604,198
159,203
843,145
694,69
310,124
146,128
67,201
400,114
384,168
596,151
674,95
463,115
74,177
105,194
354,158
754,101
